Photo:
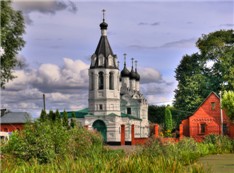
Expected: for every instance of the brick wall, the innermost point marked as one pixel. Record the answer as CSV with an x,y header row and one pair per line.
x,y
11,127
122,140
231,130
185,124
140,141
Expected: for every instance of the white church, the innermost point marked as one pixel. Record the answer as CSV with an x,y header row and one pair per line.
x,y
115,100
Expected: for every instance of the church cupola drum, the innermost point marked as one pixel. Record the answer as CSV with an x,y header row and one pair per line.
x,y
104,90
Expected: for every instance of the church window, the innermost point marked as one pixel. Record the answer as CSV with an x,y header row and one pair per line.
x,y
110,61
100,81
100,107
101,60
93,60
111,80
129,111
92,82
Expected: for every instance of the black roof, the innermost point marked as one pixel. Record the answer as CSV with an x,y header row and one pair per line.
x,y
137,76
132,74
104,49
103,25
125,72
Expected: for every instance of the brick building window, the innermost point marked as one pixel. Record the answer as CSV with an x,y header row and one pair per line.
x,y
202,128
213,106
225,129
5,129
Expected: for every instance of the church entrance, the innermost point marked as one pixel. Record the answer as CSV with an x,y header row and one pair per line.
x,y
100,126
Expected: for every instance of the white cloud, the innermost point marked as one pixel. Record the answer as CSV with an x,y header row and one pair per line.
x,y
149,75
43,6
50,73
65,87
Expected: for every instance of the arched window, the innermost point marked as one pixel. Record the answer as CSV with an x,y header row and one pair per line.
x,y
111,81
110,59
100,81
93,60
101,60
92,82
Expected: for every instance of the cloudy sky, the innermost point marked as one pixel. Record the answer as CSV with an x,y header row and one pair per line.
x,y
61,35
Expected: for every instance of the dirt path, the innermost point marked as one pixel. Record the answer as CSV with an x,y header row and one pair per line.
x,y
221,163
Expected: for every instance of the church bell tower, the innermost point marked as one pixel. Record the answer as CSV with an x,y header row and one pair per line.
x,y
104,90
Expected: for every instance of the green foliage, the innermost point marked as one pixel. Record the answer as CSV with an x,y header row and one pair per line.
x,y
44,141
40,140
196,79
43,115
157,113
65,119
51,115
73,121
12,29
219,144
228,103
57,115
167,120
155,156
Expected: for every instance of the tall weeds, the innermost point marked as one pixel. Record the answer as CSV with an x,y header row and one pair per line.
x,y
90,155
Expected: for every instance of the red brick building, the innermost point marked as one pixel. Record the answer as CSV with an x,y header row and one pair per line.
x,y
207,120
11,121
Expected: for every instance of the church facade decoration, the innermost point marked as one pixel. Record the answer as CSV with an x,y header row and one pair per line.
x,y
114,97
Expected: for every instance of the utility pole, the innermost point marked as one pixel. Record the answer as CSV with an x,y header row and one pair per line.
x,y
44,102
221,114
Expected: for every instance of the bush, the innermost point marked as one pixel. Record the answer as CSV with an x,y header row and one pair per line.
x,y
219,144
47,140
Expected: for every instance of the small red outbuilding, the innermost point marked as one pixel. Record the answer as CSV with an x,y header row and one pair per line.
x,y
207,120
12,121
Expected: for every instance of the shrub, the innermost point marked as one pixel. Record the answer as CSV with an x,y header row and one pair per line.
x,y
46,140
218,143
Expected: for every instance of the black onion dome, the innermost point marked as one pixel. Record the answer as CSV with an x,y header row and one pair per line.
x,y
132,74
103,25
125,72
137,76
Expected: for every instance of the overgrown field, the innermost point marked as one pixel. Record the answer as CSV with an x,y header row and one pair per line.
x,y
51,147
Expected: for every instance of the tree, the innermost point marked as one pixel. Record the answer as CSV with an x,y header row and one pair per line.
x,y
73,121
206,71
65,119
156,114
51,116
57,115
43,115
192,86
168,120
228,103
12,29
218,48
